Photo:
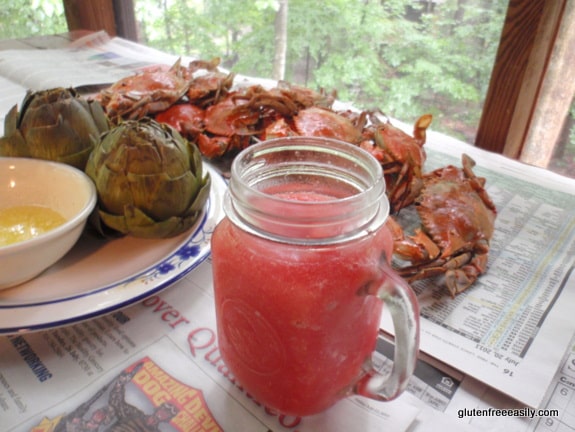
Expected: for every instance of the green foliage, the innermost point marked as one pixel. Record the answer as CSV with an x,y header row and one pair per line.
x,y
394,55
22,18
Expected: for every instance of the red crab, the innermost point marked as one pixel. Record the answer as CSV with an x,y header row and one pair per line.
x,y
231,123
186,118
457,223
219,127
402,157
304,97
316,121
226,128
210,86
145,93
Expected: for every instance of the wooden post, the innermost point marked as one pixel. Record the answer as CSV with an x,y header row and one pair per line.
x,y
92,15
556,94
116,17
125,19
527,40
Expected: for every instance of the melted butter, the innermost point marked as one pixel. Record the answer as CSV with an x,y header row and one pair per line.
x,y
21,223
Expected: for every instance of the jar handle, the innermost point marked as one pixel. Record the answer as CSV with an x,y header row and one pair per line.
x,y
398,296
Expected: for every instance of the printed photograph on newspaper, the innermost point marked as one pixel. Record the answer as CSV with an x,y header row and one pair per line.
x,y
142,397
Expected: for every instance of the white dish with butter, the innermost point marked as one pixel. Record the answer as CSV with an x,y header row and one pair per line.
x,y
31,190
100,276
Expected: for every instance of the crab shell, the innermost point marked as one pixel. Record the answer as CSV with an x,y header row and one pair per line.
x,y
145,93
231,123
457,224
318,122
186,118
227,127
401,156
455,218
209,88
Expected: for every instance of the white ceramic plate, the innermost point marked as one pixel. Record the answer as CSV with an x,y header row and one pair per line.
x,y
99,276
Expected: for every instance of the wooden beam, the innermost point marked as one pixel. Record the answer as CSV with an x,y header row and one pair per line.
x,y
92,15
520,64
116,17
125,19
556,94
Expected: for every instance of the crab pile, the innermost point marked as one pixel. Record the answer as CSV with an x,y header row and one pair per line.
x,y
201,102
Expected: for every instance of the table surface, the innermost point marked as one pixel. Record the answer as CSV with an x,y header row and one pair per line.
x,y
103,347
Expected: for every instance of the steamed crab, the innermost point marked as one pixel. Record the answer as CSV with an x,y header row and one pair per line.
x,y
148,92
227,127
232,122
303,97
402,156
318,122
457,223
186,118
217,128
157,88
209,87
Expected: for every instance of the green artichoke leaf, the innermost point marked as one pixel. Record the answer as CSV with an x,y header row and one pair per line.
x,y
149,179
113,192
77,159
55,124
99,116
161,196
196,160
11,121
62,141
13,145
201,198
138,224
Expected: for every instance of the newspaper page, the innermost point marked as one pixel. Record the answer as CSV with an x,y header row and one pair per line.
x,y
92,60
511,328
560,399
444,394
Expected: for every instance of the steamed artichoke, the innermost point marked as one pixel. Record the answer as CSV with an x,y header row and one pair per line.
x,y
149,180
56,124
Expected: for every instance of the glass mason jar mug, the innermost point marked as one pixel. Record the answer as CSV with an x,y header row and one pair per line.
x,y
301,273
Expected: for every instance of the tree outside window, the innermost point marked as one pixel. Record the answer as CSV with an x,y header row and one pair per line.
x,y
405,57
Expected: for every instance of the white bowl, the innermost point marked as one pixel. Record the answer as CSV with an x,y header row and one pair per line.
x,y
60,187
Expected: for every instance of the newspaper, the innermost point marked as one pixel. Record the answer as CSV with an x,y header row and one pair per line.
x,y
507,329
93,59
498,356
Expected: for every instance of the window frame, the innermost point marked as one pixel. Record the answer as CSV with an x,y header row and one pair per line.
x,y
116,17
534,33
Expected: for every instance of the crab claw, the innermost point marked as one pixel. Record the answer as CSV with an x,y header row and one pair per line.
x,y
212,147
464,271
458,281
